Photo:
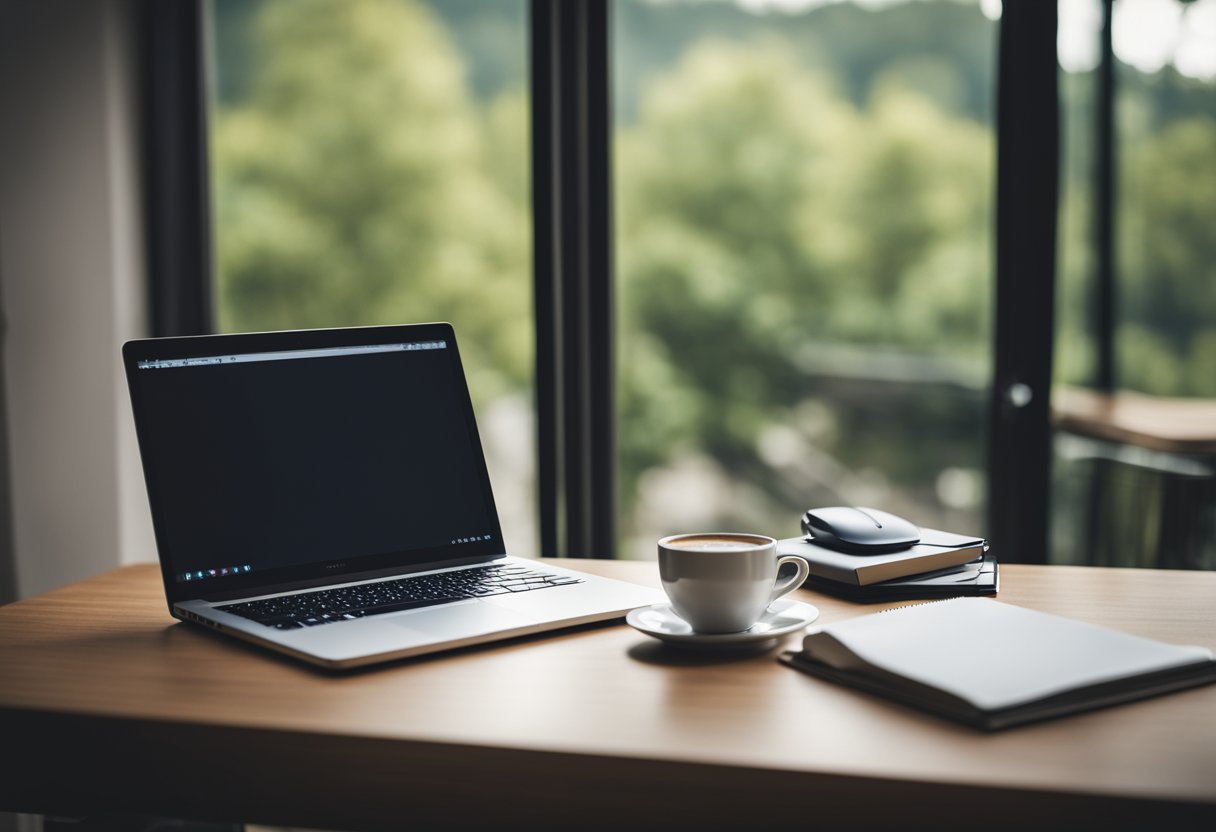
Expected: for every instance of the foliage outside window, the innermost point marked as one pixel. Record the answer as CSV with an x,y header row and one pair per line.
x,y
804,198
804,225
372,168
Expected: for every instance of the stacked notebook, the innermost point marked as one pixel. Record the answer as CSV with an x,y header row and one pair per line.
x,y
941,565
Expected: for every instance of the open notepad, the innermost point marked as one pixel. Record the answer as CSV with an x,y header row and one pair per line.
x,y
992,665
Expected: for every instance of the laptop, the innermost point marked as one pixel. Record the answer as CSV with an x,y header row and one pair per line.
x,y
324,493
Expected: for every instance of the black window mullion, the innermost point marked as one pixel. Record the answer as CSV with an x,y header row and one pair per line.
x,y
1104,209
1019,460
572,210
601,369
547,290
177,205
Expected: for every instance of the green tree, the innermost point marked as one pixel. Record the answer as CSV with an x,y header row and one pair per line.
x,y
802,200
355,185
1167,268
762,216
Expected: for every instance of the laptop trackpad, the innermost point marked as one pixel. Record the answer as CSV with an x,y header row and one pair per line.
x,y
463,619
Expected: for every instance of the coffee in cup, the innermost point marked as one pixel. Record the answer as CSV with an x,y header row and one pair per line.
x,y
722,582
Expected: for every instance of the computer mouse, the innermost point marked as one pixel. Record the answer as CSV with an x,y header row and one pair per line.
x,y
859,530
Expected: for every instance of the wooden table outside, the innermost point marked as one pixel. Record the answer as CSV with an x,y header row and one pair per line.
x,y
107,705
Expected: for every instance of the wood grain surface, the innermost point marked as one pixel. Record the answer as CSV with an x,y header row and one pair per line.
x,y
113,706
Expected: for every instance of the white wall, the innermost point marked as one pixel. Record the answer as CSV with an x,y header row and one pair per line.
x,y
71,285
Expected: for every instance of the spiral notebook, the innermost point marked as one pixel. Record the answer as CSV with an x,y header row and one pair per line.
x,y
993,665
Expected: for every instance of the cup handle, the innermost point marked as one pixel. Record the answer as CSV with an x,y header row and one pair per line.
x,y
790,584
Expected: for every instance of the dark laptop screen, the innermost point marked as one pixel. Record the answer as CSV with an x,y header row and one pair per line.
x,y
286,463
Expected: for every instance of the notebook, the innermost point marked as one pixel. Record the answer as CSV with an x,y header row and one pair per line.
x,y
977,577
324,493
993,665
936,550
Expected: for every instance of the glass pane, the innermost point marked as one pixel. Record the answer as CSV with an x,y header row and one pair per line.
x,y
804,211
370,166
1165,109
1139,503
1078,47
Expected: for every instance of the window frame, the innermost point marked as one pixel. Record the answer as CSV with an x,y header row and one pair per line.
x,y
573,254
177,195
573,276
1027,203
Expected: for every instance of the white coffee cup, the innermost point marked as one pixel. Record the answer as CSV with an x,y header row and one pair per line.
x,y
722,582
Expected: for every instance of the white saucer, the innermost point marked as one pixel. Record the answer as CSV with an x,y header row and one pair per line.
x,y
781,618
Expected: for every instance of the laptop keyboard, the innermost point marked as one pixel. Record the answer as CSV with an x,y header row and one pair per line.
x,y
309,609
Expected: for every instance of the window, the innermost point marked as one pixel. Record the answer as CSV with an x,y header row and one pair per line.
x,y
804,211
1164,141
369,163
804,202
1137,280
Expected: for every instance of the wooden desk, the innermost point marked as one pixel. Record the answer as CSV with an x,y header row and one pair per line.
x,y
107,705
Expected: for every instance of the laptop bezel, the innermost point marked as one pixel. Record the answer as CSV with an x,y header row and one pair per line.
x,y
340,569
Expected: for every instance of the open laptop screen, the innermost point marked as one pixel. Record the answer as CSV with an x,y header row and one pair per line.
x,y
271,460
